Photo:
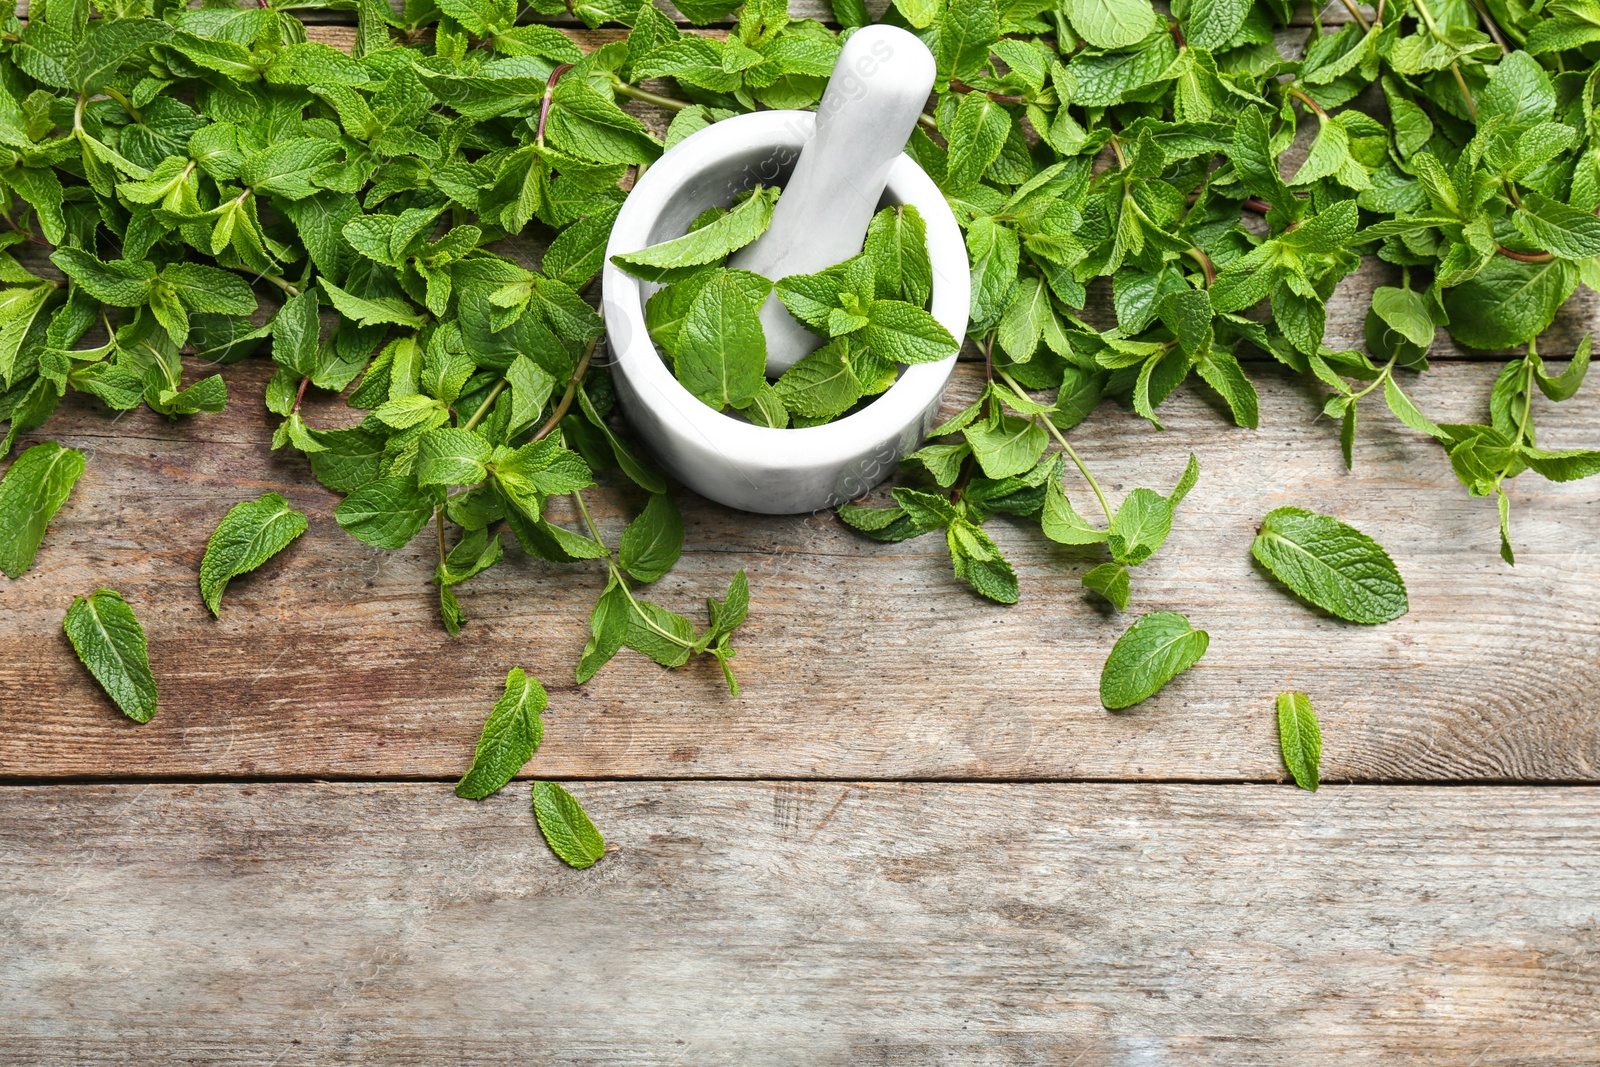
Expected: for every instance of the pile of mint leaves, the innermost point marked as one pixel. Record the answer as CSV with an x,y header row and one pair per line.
x,y
210,185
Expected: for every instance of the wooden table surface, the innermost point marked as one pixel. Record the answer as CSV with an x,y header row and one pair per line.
x,y
915,838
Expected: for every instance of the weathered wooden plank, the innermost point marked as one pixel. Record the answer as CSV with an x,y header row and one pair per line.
x,y
860,660
789,923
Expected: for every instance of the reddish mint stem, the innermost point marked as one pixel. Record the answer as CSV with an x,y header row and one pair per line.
x,y
999,98
544,105
1525,257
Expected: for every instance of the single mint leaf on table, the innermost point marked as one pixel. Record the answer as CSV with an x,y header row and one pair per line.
x,y
110,642
1331,565
510,736
1154,650
1299,738
250,533
33,490
566,827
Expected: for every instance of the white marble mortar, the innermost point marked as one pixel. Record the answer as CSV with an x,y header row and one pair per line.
x,y
723,457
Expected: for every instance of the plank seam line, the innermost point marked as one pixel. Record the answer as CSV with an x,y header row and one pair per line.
x,y
20,781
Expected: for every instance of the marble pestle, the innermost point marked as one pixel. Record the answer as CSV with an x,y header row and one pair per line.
x,y
878,88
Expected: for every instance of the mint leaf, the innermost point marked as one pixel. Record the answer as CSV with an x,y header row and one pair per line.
x,y
822,385
510,735
977,559
107,47
1407,412
1557,228
722,355
1115,23
19,308
977,135
565,826
710,243
897,245
209,290
652,542
1508,303
967,32
1564,385
1061,521
1221,370
250,533
1027,319
1213,24
1299,738
111,643
1406,313
119,282
1334,566
1140,527
373,311
608,625
905,334
37,484
664,636
1110,580
385,513
452,457
1154,650
1007,445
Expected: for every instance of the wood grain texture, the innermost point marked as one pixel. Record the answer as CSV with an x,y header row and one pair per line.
x,y
802,924
805,922
860,660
